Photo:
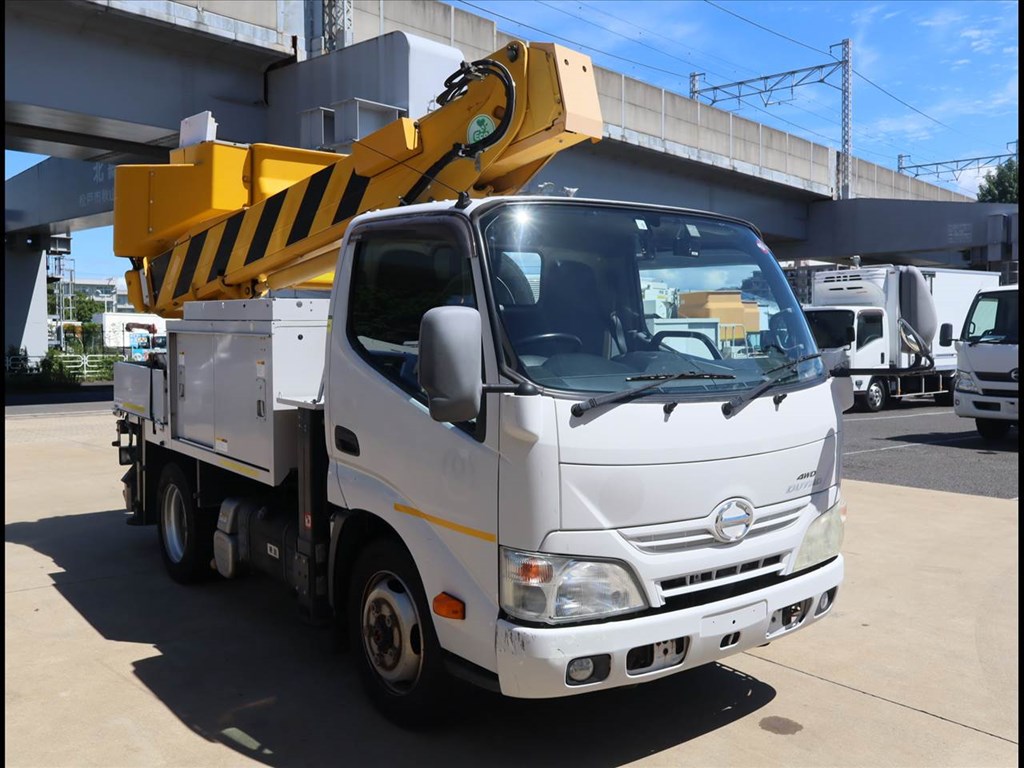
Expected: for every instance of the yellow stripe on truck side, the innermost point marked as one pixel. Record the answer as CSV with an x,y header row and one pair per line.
x,y
484,535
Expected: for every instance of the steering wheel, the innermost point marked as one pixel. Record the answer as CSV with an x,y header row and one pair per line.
x,y
780,330
552,338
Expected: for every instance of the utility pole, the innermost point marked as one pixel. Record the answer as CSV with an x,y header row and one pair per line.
x,y
766,87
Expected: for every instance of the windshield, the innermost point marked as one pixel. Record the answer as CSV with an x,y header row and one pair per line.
x,y
828,326
993,318
595,298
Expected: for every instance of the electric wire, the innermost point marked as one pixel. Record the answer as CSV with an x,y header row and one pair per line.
x,y
830,140
866,79
740,102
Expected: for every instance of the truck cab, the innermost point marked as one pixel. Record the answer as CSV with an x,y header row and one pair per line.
x,y
988,379
608,506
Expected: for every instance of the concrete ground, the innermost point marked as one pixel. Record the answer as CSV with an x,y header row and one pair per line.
x,y
109,663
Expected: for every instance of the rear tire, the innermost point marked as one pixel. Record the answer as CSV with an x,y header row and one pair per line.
x,y
186,533
992,430
876,396
392,638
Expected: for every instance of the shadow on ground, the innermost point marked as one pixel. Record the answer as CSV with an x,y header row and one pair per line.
x,y
236,666
86,393
970,442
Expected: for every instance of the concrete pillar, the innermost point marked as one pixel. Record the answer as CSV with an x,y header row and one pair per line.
x,y
24,298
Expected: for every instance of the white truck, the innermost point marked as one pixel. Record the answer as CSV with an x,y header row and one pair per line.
x,y
119,326
861,310
988,377
512,488
478,455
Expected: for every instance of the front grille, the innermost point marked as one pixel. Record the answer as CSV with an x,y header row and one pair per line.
x,y
751,569
695,534
1014,393
993,375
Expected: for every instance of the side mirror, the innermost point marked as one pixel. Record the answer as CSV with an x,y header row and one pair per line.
x,y
850,334
946,335
450,362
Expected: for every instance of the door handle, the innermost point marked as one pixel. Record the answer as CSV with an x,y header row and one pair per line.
x,y
345,440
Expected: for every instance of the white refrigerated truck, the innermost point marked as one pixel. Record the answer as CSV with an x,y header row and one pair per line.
x,y
988,377
861,310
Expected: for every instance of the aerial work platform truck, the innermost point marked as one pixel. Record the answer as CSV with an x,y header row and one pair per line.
x,y
459,437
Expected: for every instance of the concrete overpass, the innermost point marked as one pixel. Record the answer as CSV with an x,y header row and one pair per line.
x,y
98,82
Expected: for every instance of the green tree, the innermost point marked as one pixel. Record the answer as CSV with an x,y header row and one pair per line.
x,y
85,307
1000,185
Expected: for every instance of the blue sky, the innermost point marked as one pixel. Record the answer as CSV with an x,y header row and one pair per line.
x,y
935,80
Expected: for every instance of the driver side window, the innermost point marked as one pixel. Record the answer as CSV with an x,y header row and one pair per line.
x,y
869,328
394,283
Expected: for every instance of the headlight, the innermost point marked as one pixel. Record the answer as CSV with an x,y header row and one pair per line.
x,y
556,589
965,382
823,539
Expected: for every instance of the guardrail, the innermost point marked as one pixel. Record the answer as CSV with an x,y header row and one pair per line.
x,y
82,367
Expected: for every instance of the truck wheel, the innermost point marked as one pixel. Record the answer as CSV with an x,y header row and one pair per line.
x,y
876,396
992,429
392,637
186,534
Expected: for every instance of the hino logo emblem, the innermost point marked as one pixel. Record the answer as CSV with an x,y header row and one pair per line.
x,y
733,519
1015,374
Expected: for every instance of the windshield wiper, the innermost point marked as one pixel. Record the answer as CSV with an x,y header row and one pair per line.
x,y
654,380
734,405
993,338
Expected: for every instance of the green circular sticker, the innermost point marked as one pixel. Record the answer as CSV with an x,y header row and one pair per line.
x,y
480,128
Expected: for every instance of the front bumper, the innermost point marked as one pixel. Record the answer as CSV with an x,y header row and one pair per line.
x,y
532,660
972,406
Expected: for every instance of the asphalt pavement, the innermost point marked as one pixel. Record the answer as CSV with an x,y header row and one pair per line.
x,y
923,446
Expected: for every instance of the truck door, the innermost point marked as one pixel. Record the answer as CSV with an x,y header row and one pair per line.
x,y
435,483
872,348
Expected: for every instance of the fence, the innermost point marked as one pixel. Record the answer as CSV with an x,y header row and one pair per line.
x,y
81,367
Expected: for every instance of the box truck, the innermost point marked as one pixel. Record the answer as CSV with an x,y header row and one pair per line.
x,y
861,310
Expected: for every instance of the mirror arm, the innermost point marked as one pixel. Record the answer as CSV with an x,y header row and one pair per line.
x,y
522,389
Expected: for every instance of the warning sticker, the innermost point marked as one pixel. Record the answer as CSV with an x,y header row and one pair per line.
x,y
220,445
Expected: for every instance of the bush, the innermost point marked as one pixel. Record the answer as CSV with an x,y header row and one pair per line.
x,y
53,374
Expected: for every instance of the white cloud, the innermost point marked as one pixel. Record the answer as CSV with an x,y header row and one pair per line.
x,y
969,180
944,17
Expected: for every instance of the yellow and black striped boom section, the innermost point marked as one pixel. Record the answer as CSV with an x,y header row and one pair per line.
x,y
229,221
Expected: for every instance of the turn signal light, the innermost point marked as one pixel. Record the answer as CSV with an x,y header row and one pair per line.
x,y
449,607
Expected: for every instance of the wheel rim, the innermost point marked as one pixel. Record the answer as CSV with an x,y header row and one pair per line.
x,y
875,395
391,632
175,527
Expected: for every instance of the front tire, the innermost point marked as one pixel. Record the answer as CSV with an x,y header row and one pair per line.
x,y
876,396
392,637
992,430
186,533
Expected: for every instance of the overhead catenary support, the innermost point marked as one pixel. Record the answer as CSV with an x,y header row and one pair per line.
x,y
767,86
954,167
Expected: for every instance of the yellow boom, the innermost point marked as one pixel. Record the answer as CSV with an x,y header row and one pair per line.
x,y
228,221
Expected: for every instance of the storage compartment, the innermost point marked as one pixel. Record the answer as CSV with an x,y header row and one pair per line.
x,y
229,361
